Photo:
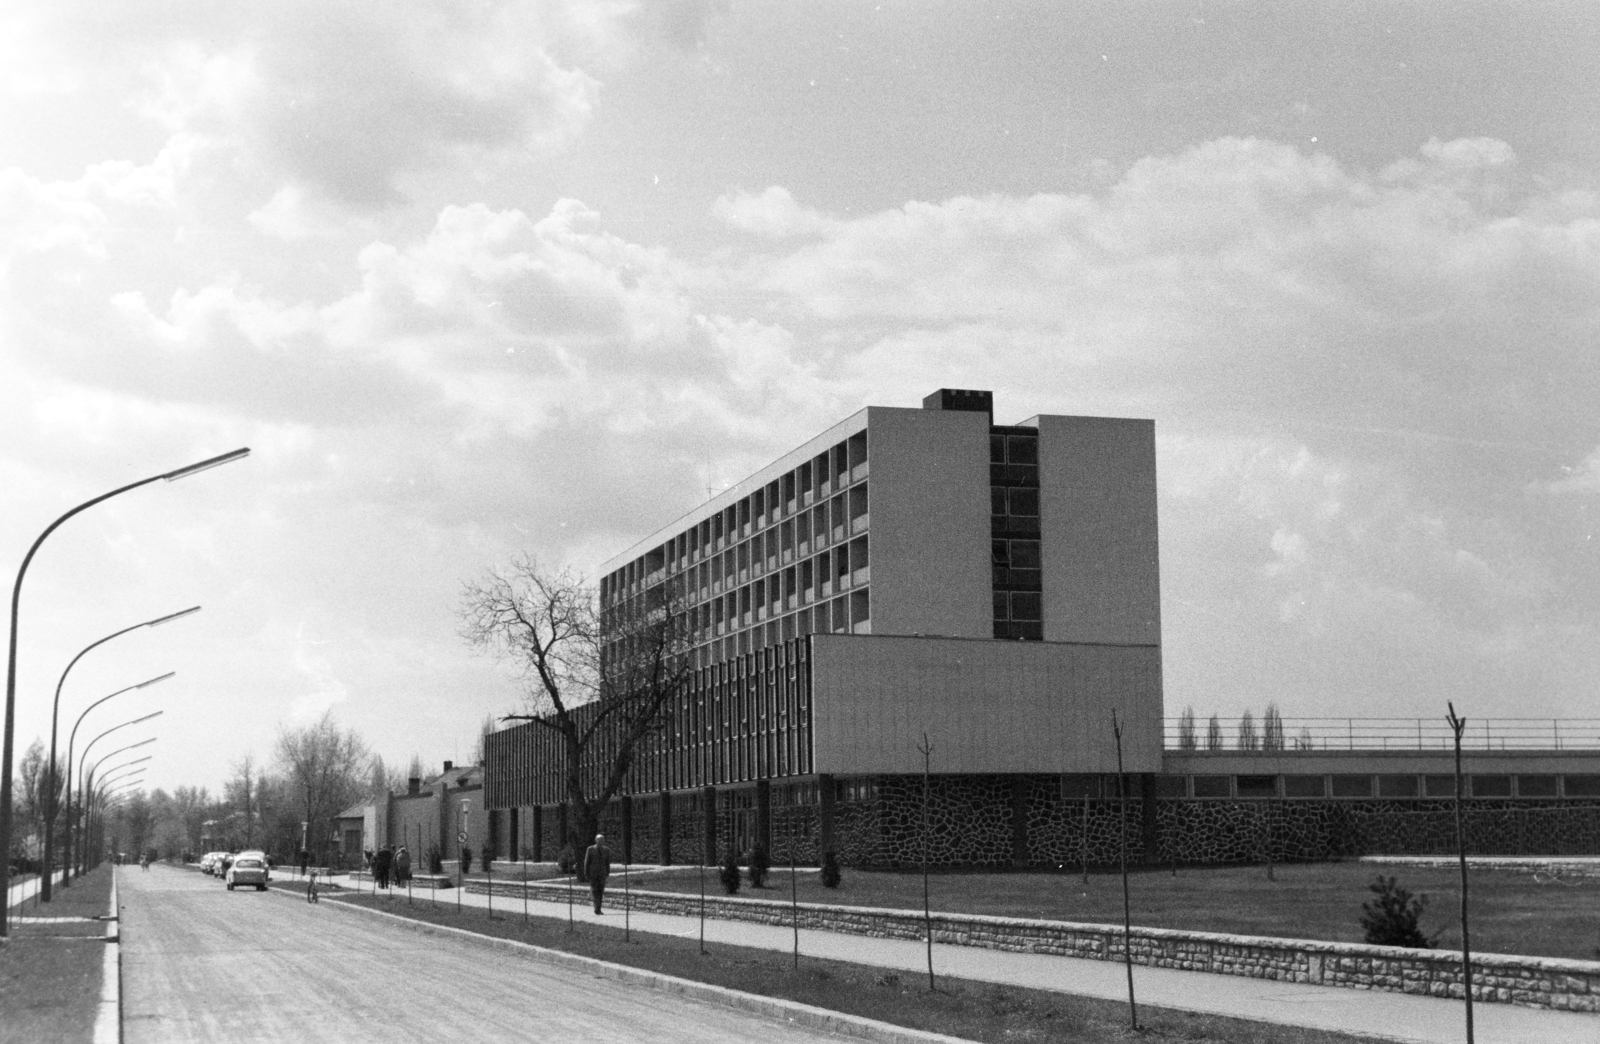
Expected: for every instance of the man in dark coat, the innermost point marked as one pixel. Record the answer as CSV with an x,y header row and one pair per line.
x,y
380,867
402,866
597,867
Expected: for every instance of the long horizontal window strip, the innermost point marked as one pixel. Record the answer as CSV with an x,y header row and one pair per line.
x,y
735,722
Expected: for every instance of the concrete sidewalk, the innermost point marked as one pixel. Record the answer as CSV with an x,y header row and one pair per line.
x,y
1371,1013
21,893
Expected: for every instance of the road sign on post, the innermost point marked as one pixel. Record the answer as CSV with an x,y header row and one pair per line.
x,y
462,837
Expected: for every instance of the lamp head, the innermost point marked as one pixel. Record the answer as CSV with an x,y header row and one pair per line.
x,y
204,465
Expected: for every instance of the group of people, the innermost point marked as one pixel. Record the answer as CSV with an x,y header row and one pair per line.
x,y
390,866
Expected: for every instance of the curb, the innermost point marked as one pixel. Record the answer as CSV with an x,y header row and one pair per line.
x,y
783,1010
108,1022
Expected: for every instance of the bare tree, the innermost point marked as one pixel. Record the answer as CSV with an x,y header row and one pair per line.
x,y
1186,735
601,687
326,768
1249,738
385,780
1272,728
1214,739
485,730
240,794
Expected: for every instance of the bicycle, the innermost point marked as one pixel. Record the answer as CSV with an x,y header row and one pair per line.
x,y
311,888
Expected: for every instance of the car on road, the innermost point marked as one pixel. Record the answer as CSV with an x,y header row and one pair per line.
x,y
249,868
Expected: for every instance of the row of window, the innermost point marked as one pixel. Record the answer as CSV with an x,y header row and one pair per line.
x,y
1344,785
811,483
847,614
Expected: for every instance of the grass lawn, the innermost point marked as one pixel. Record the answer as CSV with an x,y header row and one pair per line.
x,y
976,1011
1510,912
50,973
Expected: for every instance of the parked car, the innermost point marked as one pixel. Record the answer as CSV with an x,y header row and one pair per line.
x,y
248,868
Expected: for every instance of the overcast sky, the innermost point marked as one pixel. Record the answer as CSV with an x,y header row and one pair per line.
x,y
476,278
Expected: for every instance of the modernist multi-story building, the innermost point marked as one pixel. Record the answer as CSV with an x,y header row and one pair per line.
x,y
910,578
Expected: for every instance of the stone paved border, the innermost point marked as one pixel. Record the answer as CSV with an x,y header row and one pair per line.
x,y
1543,982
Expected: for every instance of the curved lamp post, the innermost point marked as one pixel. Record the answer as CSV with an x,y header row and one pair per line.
x,y
49,823
98,785
116,796
94,771
75,810
11,655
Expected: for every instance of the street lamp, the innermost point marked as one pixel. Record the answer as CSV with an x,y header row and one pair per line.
x,y
94,771
87,747
49,823
115,796
72,740
11,655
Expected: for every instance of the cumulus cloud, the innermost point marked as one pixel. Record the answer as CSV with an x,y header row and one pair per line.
x,y
344,100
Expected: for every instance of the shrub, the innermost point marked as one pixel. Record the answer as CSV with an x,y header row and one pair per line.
x,y
435,860
830,870
566,860
466,860
1391,919
759,863
730,874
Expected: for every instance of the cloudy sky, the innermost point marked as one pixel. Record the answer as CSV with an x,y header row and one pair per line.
x,y
476,277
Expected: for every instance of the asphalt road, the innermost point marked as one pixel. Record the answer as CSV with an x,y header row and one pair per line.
x,y
201,963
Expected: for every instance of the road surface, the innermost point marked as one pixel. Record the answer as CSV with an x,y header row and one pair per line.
x,y
203,964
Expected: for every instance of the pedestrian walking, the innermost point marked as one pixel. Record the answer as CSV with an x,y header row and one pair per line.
x,y
402,866
597,867
380,866
305,861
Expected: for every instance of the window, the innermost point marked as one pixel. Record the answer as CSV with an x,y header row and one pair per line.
x,y
1212,786
1257,786
997,449
1025,554
1002,606
1026,605
997,501
1171,786
1303,786
1397,786
1351,786
1439,785
1536,786
1582,786
1022,449
1491,786
1000,553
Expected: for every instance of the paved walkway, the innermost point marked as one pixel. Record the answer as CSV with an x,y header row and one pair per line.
x,y
21,893
1372,1013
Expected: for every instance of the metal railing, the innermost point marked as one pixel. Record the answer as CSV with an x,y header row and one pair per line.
x,y
1382,734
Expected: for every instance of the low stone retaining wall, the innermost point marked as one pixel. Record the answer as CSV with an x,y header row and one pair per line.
x,y
1543,982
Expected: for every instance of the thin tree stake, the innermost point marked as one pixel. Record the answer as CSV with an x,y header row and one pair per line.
x,y
794,893
1083,846
1458,726
1127,913
927,916
702,906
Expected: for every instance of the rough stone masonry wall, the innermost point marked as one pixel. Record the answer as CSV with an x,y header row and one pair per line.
x,y
970,824
1501,978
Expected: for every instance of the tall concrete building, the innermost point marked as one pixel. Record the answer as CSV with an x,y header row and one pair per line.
x,y
915,575
907,573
